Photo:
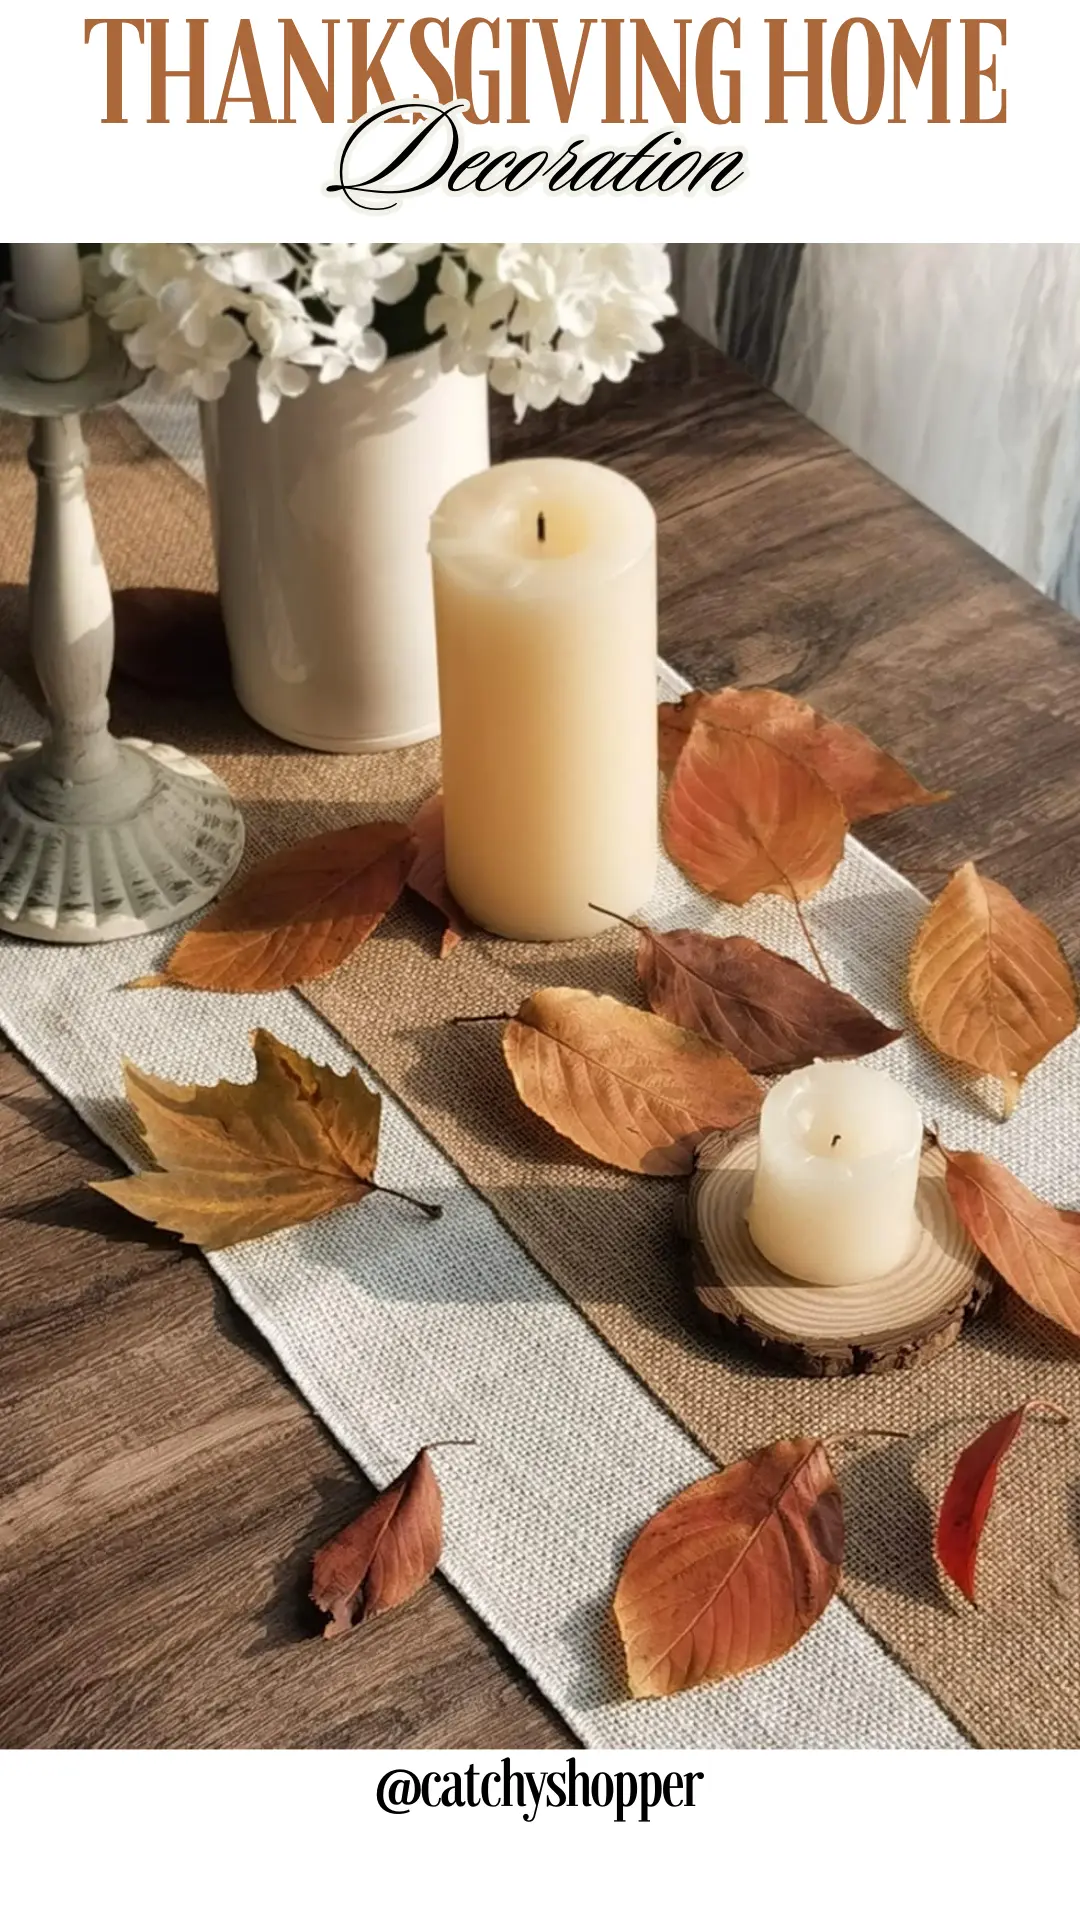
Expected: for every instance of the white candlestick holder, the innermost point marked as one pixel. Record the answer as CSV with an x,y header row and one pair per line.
x,y
100,838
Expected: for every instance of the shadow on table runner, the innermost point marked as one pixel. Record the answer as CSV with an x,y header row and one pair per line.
x,y
1010,1673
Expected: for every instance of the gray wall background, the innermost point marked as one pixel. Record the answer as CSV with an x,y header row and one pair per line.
x,y
955,370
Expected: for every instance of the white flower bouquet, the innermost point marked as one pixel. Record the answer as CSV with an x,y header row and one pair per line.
x,y
545,323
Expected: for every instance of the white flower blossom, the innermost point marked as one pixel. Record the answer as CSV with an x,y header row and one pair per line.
x,y
354,345
279,325
543,322
352,275
243,266
277,380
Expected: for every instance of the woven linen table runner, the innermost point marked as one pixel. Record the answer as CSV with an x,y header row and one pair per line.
x,y
1010,1674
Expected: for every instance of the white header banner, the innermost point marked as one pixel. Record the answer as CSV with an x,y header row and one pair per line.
x,y
890,124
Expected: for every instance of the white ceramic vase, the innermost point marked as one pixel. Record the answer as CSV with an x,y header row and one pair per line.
x,y
320,519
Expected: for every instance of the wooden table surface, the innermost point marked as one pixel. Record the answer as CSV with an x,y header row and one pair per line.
x,y
157,1520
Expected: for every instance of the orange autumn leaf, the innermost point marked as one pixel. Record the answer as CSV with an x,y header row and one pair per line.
x,y
866,780
427,875
295,916
242,1159
770,1012
988,982
1033,1246
626,1087
743,817
385,1555
967,1498
733,1571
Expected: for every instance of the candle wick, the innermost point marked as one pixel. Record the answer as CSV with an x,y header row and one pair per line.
x,y
541,528
836,1140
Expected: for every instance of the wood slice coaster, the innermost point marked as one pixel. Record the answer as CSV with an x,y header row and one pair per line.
x,y
880,1326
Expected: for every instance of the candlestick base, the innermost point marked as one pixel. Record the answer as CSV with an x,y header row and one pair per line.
x,y
151,840
904,1320
100,838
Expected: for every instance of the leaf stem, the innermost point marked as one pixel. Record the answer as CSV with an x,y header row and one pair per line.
x,y
620,917
857,1434
808,936
468,1019
1048,1406
430,1207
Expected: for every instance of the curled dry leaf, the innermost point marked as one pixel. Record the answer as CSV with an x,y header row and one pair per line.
x,y
967,1498
385,1555
988,982
1033,1246
866,780
743,817
427,875
770,1012
241,1159
297,915
733,1571
626,1087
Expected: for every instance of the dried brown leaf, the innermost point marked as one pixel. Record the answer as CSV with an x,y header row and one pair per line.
x,y
1033,1246
427,875
770,1012
733,1571
297,915
385,1555
242,1159
626,1087
866,780
988,982
742,817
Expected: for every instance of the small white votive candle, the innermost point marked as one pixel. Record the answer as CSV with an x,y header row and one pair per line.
x,y
838,1166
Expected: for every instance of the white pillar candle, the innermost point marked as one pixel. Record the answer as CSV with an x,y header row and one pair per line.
x,y
545,609
47,288
838,1164
47,281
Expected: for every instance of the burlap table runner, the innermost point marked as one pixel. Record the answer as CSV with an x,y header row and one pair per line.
x,y
1009,1673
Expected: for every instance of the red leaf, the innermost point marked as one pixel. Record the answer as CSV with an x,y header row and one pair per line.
x,y
383,1556
966,1504
967,1498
